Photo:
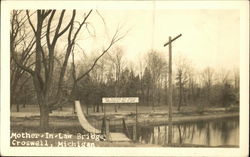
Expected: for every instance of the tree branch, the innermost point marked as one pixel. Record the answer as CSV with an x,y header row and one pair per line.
x,y
32,26
46,13
67,27
83,22
48,28
70,48
56,36
96,60
27,69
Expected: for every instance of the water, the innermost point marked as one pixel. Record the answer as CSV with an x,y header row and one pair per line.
x,y
220,132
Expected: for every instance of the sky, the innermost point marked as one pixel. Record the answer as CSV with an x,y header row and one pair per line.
x,y
210,37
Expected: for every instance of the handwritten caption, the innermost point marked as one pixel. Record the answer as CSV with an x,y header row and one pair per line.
x,y
25,139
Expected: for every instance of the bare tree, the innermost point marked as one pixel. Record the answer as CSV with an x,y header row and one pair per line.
x,y
237,84
98,77
181,79
227,83
141,71
181,83
236,74
21,48
42,73
192,85
72,35
115,38
157,66
208,76
118,62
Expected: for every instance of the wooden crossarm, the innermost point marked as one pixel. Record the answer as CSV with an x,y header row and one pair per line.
x,y
173,40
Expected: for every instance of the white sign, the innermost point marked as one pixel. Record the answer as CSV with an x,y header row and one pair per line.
x,y
120,100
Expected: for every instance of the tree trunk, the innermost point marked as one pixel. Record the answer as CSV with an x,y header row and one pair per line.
x,y
17,107
14,84
147,95
208,135
180,99
97,108
153,98
44,110
116,94
141,92
180,138
25,100
208,95
74,108
42,99
180,94
87,104
74,95
44,116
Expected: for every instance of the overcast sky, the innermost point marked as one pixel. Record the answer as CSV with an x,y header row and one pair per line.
x,y
209,37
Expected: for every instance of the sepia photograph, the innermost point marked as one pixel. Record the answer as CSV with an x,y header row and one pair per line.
x,y
124,76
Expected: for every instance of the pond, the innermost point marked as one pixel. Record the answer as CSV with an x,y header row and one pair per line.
x,y
213,133
209,133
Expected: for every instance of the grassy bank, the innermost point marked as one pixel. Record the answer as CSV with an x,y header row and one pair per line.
x,y
153,118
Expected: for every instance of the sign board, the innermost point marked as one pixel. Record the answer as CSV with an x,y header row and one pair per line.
x,y
118,100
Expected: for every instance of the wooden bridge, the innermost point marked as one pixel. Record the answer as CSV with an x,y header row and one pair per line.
x,y
113,136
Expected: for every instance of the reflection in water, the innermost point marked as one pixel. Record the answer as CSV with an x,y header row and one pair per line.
x,y
222,132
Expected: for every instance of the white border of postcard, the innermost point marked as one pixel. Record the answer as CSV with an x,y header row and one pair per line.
x,y
243,6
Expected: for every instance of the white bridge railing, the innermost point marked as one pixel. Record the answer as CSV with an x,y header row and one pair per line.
x,y
121,100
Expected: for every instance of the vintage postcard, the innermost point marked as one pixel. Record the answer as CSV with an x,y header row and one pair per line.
x,y
124,78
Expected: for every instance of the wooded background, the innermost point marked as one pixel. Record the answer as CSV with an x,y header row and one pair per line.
x,y
44,75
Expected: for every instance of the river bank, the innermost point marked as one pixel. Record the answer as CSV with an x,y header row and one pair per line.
x,y
72,126
68,122
144,119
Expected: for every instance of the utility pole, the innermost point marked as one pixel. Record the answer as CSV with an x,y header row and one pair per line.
x,y
170,88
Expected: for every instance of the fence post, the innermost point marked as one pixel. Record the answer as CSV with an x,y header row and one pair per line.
x,y
105,127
